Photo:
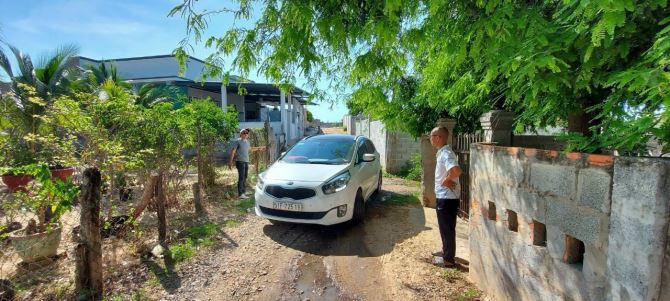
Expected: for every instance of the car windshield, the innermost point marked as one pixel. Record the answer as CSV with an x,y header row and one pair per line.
x,y
321,151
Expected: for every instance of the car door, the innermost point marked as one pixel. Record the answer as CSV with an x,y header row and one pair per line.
x,y
373,167
366,169
360,167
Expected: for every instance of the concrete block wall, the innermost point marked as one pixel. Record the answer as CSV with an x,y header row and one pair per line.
x,y
378,135
349,122
395,148
402,147
574,198
638,228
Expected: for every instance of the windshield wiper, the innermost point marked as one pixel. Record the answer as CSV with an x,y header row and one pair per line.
x,y
325,162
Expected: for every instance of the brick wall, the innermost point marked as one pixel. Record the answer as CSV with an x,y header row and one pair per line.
x,y
546,225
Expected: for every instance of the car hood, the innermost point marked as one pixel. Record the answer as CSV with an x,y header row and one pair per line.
x,y
303,172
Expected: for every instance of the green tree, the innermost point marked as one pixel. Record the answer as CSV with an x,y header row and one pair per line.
x,y
309,116
149,94
50,77
98,75
25,111
597,66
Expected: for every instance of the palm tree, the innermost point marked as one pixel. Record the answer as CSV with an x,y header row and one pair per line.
x,y
34,90
49,78
149,94
99,75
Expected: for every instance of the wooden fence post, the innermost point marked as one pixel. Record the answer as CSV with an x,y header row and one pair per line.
x,y
88,252
160,211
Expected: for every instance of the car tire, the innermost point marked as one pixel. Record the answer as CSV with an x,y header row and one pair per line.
x,y
379,184
359,209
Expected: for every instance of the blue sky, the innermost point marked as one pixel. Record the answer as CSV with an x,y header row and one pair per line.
x,y
112,29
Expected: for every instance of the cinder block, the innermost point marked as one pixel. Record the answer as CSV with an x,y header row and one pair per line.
x,y
635,257
577,222
638,223
567,280
594,189
531,204
555,243
665,277
554,179
595,271
509,169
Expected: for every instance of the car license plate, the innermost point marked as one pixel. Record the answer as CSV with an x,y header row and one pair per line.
x,y
287,206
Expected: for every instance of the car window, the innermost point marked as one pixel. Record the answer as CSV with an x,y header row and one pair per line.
x,y
361,150
370,148
321,151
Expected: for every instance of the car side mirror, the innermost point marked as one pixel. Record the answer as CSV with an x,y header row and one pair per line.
x,y
282,154
368,157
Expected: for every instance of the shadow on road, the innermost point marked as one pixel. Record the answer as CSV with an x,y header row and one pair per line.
x,y
385,225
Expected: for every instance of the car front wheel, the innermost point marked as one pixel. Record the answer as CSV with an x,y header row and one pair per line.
x,y
359,209
379,184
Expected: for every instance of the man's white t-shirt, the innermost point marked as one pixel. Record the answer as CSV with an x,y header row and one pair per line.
x,y
446,159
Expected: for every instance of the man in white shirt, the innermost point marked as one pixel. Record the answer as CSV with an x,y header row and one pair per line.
x,y
447,192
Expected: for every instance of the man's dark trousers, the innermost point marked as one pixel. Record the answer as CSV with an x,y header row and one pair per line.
x,y
242,170
447,210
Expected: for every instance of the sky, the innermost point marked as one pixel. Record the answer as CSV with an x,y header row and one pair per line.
x,y
114,29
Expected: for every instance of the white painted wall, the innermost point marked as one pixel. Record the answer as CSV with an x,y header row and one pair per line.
x,y
154,67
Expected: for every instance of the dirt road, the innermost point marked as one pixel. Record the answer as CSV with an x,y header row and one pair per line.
x,y
382,259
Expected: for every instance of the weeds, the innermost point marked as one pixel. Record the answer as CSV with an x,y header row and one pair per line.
x,y
182,251
403,199
231,223
451,275
199,236
138,295
244,205
413,168
469,294
203,231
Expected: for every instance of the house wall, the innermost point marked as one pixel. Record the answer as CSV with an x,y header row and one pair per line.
x,y
198,93
618,207
238,101
153,67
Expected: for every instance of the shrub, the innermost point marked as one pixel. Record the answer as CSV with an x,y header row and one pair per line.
x,y
413,168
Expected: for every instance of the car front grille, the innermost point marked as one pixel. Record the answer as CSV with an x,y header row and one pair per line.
x,y
292,193
292,214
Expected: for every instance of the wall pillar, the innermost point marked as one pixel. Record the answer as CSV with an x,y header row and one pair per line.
x,y
282,110
497,126
224,98
428,162
289,117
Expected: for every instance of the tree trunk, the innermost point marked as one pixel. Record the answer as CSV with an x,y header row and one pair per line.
x,y
581,121
88,252
199,210
160,211
146,196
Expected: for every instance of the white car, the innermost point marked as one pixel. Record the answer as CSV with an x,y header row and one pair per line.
x,y
323,179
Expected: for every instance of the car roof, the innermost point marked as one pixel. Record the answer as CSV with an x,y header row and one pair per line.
x,y
332,137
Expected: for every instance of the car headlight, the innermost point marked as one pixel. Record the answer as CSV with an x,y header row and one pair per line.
x,y
260,184
338,183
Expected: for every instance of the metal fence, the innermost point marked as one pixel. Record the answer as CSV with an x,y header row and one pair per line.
x,y
462,148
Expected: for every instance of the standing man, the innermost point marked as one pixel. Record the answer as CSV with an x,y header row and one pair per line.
x,y
447,192
240,153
